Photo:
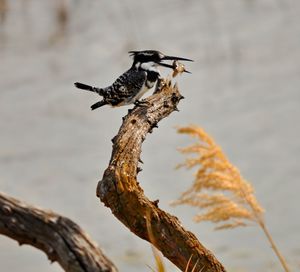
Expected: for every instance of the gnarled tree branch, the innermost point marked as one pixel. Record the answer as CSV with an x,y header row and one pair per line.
x,y
120,190
59,237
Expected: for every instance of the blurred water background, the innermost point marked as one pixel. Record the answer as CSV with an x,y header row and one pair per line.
x,y
244,91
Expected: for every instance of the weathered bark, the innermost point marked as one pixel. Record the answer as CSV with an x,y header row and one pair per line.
x,y
59,237
120,190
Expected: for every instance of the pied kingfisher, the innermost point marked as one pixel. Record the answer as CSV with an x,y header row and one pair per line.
x,y
133,84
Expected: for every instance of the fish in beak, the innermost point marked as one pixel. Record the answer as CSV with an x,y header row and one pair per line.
x,y
174,66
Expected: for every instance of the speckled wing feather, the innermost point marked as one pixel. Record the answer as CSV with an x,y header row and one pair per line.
x,y
125,87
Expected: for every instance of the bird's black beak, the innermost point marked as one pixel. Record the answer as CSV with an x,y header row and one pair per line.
x,y
174,58
171,66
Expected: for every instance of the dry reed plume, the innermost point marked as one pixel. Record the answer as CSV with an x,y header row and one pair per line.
x,y
223,195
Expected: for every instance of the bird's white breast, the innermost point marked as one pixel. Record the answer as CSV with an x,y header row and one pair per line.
x,y
143,90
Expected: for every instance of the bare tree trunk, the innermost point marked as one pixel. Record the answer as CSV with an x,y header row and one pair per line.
x,y
60,238
120,190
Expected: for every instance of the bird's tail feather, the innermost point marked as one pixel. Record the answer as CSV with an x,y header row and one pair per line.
x,y
88,88
98,104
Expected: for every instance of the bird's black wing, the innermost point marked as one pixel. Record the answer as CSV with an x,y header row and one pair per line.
x,y
125,87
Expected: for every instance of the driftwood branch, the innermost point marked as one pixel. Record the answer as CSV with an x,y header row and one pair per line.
x,y
120,190
60,238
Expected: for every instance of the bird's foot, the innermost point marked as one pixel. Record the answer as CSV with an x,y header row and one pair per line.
x,y
141,103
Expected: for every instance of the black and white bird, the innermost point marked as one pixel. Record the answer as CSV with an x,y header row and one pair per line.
x,y
135,82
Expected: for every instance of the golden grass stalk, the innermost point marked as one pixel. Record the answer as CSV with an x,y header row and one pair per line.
x,y
160,267
158,259
219,190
